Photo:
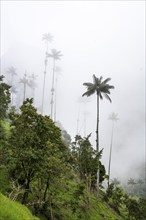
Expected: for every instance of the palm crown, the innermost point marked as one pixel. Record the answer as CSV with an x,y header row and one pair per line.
x,y
55,54
113,116
12,71
47,37
24,80
98,86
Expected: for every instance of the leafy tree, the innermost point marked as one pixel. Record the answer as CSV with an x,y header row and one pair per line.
x,y
99,88
85,161
32,138
133,208
4,128
4,98
115,197
131,182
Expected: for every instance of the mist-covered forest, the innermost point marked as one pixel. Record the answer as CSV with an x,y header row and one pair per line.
x,y
72,115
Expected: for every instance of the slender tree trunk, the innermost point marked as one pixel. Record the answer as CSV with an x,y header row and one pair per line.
x,y
40,191
46,189
11,90
24,91
43,91
11,98
78,119
55,106
25,196
52,90
110,155
97,143
46,62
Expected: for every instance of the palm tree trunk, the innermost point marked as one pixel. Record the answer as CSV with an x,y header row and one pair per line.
x,y
43,90
52,90
110,153
24,91
46,61
11,98
55,106
97,142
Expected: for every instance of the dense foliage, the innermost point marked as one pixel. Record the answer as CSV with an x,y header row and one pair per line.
x,y
54,177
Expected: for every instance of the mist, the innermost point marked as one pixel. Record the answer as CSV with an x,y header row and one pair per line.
x,y
105,38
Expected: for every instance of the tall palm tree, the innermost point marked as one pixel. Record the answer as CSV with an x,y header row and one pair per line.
x,y
46,38
113,117
55,55
12,71
115,181
13,91
58,71
83,101
24,81
100,88
32,83
132,183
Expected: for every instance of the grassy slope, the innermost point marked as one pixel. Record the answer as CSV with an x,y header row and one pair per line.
x,y
10,210
100,210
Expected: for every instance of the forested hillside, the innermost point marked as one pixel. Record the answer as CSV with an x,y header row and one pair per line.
x,y
54,177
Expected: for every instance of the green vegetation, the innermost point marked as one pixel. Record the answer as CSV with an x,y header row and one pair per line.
x,y
11,210
54,177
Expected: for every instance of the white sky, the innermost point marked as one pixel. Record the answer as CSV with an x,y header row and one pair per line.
x,y
105,38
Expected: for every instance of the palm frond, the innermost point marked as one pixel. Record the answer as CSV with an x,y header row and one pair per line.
x,y
12,70
95,79
100,79
107,97
55,54
106,80
109,86
89,92
100,95
88,84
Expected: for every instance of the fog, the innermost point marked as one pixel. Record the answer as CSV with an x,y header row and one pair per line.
x,y
105,38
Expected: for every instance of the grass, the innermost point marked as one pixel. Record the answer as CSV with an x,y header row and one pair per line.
x,y
102,211
11,210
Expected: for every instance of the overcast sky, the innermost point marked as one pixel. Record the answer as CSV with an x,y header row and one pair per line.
x,y
105,38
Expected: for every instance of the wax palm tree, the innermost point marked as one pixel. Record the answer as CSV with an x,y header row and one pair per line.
x,y
55,55
13,91
12,71
100,88
115,181
58,71
32,83
82,101
113,117
24,81
132,183
46,38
